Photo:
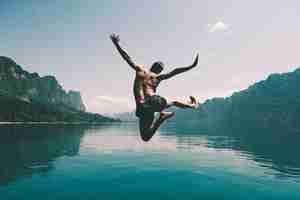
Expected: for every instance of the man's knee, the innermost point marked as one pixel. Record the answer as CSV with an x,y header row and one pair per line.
x,y
169,104
146,139
145,136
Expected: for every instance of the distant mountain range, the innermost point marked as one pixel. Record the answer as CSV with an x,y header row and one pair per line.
x,y
270,104
126,116
27,97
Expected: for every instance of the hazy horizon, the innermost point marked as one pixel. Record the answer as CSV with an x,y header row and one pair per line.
x,y
239,43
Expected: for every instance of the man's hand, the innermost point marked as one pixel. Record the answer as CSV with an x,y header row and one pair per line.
x,y
178,70
195,61
115,38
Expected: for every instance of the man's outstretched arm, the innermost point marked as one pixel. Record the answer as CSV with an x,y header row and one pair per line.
x,y
115,39
178,70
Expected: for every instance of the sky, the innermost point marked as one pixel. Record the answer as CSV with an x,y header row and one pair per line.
x,y
239,43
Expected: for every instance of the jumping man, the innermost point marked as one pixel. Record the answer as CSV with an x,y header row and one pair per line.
x,y
146,99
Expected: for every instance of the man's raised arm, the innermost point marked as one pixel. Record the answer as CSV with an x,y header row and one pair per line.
x,y
115,39
178,70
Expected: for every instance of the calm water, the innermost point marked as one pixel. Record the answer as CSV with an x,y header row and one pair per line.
x,y
111,162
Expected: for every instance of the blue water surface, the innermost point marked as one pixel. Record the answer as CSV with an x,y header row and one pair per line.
x,y
111,162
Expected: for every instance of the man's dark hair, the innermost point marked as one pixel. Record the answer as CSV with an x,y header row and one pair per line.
x,y
157,67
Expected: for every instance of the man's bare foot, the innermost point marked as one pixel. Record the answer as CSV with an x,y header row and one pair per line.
x,y
194,101
166,115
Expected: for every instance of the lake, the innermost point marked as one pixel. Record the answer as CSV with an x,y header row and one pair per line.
x,y
111,162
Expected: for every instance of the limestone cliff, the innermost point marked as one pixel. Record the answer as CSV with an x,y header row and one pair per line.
x,y
16,82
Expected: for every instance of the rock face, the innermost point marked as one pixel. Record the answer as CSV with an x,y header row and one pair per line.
x,y
76,100
16,82
17,110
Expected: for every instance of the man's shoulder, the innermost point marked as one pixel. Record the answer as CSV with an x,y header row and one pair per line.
x,y
142,71
140,68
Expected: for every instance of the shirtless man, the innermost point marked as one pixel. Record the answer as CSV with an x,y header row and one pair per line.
x,y
146,99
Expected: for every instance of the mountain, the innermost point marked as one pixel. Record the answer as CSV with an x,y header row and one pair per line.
x,y
273,103
126,116
30,86
27,97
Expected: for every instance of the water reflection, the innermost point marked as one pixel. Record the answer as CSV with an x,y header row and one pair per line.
x,y
269,150
27,149
274,149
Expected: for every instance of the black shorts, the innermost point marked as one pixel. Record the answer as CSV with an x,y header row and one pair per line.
x,y
151,105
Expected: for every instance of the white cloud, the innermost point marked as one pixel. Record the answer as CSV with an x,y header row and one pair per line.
x,y
218,26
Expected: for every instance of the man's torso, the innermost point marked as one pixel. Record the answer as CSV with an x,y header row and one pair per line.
x,y
145,84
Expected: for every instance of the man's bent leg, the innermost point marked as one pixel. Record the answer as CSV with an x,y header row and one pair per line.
x,y
180,104
145,126
148,128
